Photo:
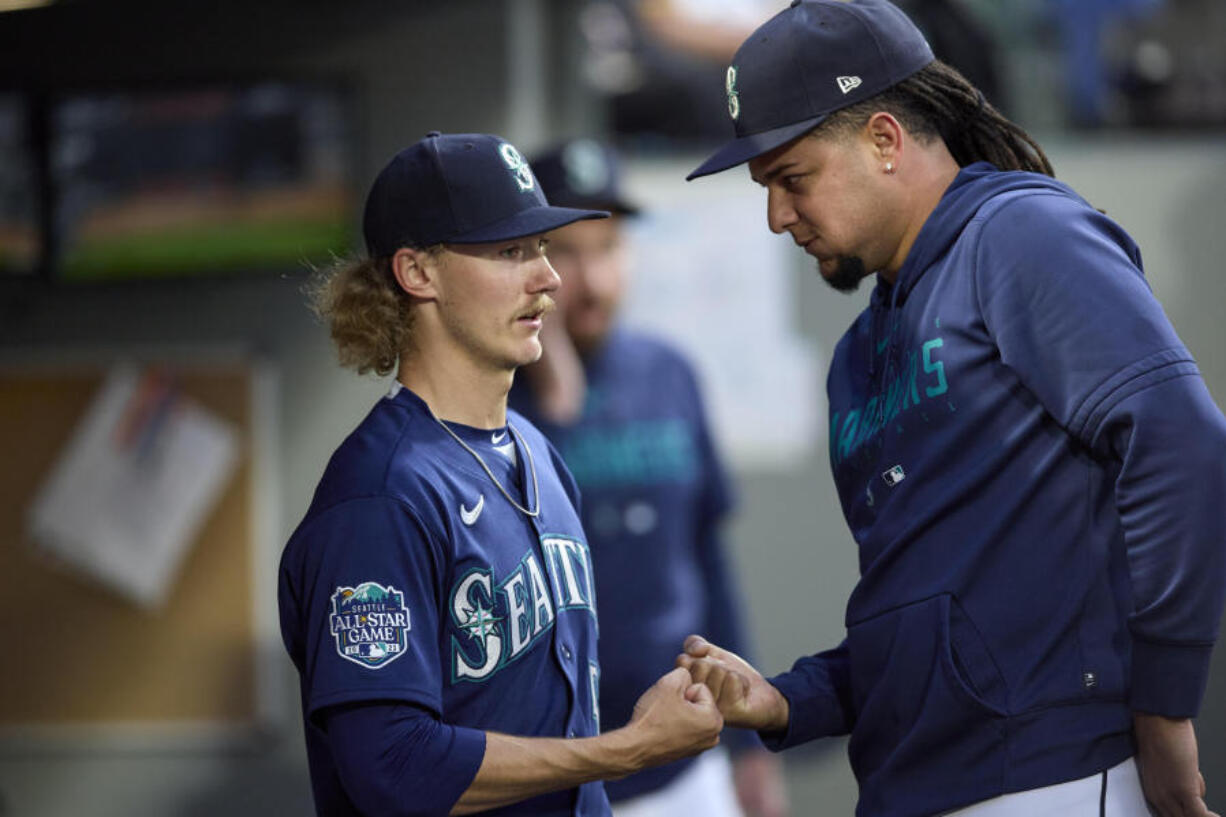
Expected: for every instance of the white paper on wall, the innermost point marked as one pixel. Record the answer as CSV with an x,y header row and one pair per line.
x,y
710,275
128,495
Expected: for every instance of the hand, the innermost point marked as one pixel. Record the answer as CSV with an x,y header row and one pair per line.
x,y
1169,767
557,378
675,718
760,789
743,696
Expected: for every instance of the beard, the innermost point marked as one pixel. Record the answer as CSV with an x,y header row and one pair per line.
x,y
847,275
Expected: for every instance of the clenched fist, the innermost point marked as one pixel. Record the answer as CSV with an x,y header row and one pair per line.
x,y
675,718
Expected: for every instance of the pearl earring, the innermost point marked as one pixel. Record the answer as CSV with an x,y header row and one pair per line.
x,y
889,168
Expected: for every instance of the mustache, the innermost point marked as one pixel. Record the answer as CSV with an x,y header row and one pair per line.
x,y
542,307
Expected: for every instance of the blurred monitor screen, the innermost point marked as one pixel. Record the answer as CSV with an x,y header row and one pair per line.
x,y
202,181
20,235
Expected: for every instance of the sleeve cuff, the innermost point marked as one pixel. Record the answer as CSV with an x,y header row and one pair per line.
x,y
809,716
1169,679
740,740
467,753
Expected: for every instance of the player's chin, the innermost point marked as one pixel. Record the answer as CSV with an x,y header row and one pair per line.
x,y
842,273
526,352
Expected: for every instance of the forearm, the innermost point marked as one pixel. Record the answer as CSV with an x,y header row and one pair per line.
x,y
398,760
1168,760
1171,439
516,768
713,41
673,719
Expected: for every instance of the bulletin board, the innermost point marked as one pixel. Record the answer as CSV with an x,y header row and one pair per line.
x,y
81,660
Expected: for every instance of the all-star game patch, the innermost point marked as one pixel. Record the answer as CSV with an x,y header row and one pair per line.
x,y
370,623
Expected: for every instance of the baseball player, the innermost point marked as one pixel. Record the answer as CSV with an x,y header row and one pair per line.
x,y
654,490
1024,450
438,599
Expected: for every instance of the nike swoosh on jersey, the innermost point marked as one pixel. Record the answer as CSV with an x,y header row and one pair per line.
x,y
469,515
497,438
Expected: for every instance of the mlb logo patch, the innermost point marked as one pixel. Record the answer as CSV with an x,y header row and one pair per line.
x,y
894,476
370,624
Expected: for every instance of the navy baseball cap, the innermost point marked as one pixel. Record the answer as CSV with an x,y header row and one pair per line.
x,y
583,173
805,63
458,188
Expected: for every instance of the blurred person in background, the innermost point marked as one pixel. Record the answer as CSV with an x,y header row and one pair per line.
x,y
1091,82
672,53
661,62
437,599
1024,450
959,38
625,412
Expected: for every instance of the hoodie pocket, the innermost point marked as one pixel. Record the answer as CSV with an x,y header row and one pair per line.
x,y
930,702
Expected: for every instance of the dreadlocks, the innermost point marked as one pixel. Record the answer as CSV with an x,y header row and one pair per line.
x,y
938,102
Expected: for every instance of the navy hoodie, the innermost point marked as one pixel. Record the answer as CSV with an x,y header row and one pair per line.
x,y
1032,470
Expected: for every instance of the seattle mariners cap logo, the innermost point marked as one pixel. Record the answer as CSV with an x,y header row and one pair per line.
x,y
587,171
518,167
734,101
370,624
581,173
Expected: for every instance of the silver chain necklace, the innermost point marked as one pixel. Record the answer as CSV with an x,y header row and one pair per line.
x,y
531,464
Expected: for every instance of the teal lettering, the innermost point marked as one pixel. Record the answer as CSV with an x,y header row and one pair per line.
x,y
910,396
655,451
834,439
541,608
517,611
570,571
472,610
850,426
900,392
938,368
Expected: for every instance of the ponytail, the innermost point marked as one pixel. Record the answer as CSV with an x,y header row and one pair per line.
x,y
366,311
938,102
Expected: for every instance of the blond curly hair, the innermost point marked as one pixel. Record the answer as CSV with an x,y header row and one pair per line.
x,y
367,313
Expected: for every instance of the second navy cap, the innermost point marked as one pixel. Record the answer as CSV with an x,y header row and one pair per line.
x,y
583,173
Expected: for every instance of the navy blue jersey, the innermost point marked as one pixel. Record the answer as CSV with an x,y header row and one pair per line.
x,y
1031,467
412,579
654,497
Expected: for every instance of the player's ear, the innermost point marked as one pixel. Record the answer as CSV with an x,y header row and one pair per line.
x,y
416,271
886,135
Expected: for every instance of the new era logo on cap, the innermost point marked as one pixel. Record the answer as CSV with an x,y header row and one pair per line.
x,y
847,83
